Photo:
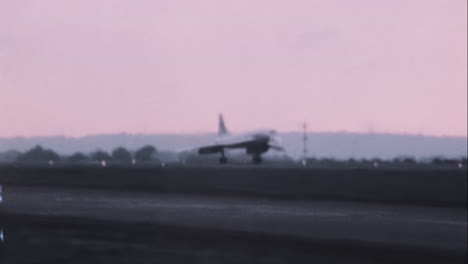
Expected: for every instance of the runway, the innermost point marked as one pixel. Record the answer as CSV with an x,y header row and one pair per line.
x,y
431,228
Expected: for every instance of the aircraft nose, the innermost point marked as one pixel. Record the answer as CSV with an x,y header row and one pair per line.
x,y
276,139
275,142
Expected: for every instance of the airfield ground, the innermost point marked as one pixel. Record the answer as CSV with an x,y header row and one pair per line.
x,y
232,215
415,186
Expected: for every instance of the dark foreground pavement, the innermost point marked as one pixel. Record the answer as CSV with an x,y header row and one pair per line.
x,y
85,226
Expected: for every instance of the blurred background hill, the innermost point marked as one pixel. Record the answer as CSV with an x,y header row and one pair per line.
x,y
334,145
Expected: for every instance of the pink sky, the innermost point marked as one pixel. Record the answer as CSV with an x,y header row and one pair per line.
x,y
170,66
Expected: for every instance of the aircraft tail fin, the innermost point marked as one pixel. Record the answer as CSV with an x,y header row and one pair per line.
x,y
222,130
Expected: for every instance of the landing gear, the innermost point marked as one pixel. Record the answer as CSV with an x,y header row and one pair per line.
x,y
257,160
222,159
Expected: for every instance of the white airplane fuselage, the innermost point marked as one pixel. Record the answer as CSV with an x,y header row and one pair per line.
x,y
261,136
255,143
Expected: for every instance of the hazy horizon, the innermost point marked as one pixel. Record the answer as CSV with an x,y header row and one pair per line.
x,y
77,68
214,134
336,145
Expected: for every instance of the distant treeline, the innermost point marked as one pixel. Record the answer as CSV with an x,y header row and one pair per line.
x,y
399,162
119,154
150,155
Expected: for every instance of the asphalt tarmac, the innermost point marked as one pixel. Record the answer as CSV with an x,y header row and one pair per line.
x,y
433,233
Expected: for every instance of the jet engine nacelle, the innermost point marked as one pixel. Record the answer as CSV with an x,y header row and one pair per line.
x,y
257,149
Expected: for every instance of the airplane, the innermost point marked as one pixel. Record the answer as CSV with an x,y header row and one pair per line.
x,y
255,143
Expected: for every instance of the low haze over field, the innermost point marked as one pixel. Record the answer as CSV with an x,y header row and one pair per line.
x,y
86,67
320,145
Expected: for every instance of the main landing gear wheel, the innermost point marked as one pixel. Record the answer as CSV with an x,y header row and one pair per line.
x,y
223,160
257,160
